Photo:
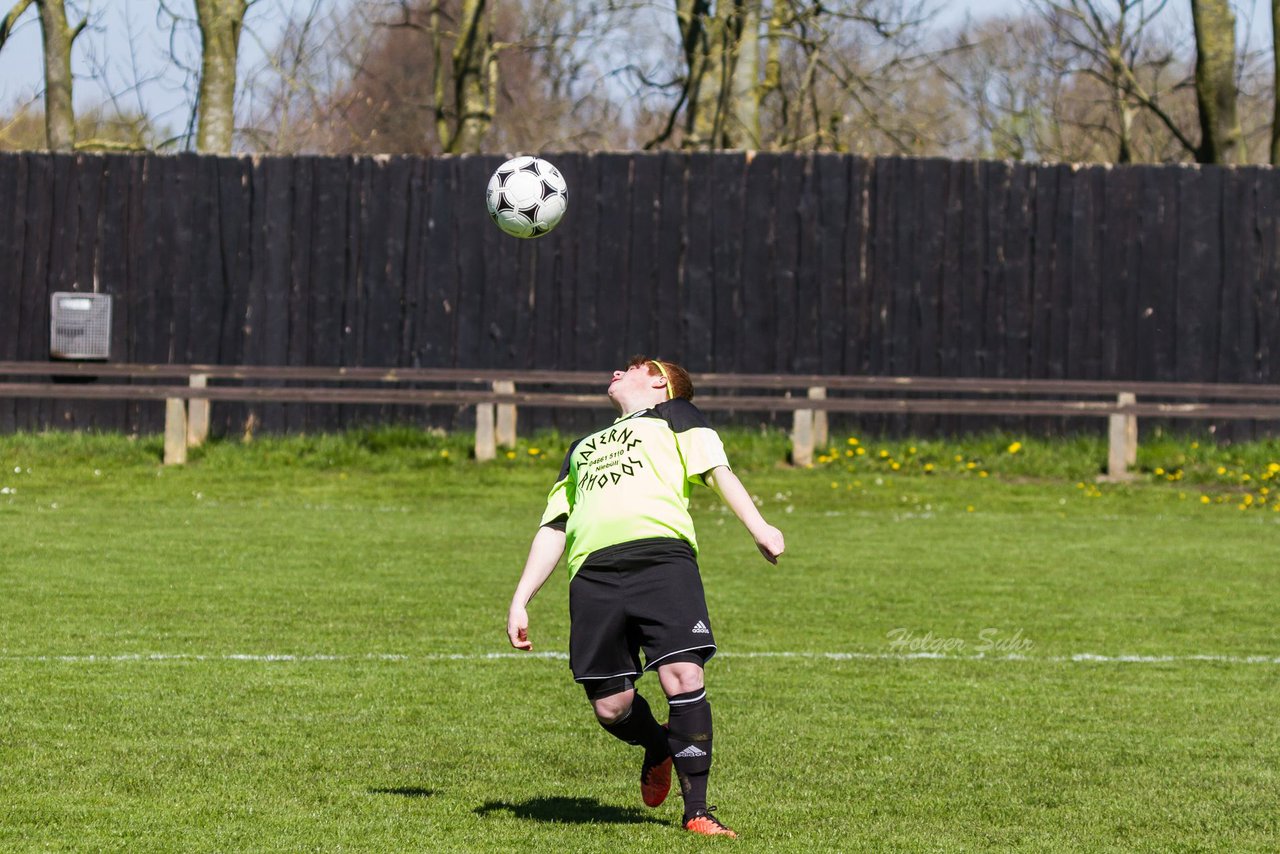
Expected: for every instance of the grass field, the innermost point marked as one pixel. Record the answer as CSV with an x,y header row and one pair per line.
x,y
299,645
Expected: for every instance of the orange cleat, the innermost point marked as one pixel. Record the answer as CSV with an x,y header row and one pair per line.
x,y
655,782
705,824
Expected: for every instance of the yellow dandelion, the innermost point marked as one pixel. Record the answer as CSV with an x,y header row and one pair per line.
x,y
1159,471
445,453
896,466
848,453
1273,467
835,485
853,440
533,452
1195,446
969,509
1015,447
982,474
959,458
1222,469
862,452
911,450
928,467
971,466
1204,499
884,455
511,455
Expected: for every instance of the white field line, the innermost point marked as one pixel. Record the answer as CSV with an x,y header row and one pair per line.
x,y
1078,658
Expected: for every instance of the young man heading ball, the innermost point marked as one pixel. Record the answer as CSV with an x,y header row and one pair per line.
x,y
620,509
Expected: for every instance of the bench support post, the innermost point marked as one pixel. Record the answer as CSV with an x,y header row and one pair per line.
x,y
1122,440
819,418
175,431
485,446
802,438
198,414
506,422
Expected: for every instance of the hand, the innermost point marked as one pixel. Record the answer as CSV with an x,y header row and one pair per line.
x,y
769,541
518,628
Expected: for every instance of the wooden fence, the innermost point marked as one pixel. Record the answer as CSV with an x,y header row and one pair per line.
x,y
730,263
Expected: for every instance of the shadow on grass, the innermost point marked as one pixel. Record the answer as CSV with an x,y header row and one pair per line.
x,y
405,792
570,811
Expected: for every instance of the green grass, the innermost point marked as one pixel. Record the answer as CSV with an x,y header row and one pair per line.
x,y
373,557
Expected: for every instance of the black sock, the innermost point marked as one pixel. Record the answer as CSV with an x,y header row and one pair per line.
x,y
638,726
689,736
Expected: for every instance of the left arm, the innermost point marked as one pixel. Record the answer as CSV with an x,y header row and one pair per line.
x,y
734,494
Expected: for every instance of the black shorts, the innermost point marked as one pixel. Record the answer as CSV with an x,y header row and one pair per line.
x,y
645,595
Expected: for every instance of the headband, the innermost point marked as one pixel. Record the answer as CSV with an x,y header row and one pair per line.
x,y
662,370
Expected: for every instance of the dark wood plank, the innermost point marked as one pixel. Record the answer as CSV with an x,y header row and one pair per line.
x,y
565,238
183,202
669,252
1083,346
808,294
643,315
14,221
473,177
832,174
728,178
1154,219
328,279
971,361
1267,290
302,215
612,262
441,266
1059,339
759,320
1015,270
1198,280
1118,291
787,227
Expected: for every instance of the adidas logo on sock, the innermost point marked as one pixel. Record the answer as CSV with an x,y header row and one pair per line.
x,y
701,629
690,752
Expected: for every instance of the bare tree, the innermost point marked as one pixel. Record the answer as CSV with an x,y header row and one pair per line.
x,y
796,75
1221,138
57,37
414,76
221,23
1275,83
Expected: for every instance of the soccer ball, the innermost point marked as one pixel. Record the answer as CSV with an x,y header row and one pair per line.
x,y
526,197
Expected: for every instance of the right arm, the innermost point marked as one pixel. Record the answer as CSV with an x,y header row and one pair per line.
x,y
544,554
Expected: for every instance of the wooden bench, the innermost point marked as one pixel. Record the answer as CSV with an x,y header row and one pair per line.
x,y
189,390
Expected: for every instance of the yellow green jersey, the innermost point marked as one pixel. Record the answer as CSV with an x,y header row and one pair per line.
x,y
631,481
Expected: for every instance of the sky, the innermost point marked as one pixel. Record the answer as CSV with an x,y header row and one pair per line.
x,y
162,90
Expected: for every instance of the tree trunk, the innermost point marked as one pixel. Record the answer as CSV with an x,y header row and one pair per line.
x,y
1275,86
220,24
59,111
1221,138
475,78
744,125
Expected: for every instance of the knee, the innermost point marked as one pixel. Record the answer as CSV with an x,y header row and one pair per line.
x,y
681,679
614,707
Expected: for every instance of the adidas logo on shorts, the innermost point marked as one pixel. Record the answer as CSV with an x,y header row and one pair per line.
x,y
701,628
690,752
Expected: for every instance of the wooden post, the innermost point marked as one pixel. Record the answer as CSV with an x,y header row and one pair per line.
x,y
819,417
506,427
485,448
1122,440
802,438
175,431
198,414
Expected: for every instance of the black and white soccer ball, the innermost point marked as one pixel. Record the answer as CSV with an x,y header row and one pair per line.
x,y
526,197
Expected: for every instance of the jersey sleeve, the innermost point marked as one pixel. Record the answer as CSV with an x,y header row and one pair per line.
x,y
699,444
559,499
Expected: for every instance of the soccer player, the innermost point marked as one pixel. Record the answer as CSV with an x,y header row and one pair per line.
x,y
620,508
